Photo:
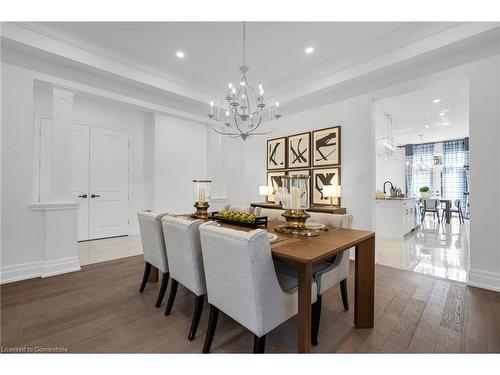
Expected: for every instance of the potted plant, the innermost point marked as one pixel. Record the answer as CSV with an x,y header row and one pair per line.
x,y
425,192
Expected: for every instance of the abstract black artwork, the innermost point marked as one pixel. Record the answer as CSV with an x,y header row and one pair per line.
x,y
326,147
322,177
274,182
276,153
299,151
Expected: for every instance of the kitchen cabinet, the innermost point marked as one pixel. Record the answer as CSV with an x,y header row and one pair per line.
x,y
395,217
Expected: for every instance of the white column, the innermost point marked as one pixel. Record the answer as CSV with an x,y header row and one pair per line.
x,y
59,210
62,115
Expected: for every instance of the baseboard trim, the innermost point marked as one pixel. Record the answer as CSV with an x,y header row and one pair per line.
x,y
22,271
484,279
59,266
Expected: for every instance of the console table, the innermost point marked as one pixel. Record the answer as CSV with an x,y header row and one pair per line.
x,y
322,209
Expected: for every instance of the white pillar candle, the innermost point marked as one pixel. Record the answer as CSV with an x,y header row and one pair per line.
x,y
201,195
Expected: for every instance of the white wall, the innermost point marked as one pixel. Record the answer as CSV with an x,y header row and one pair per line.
x,y
247,159
180,157
21,228
485,174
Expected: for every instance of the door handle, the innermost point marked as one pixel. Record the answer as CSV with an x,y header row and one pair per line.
x,y
94,196
82,196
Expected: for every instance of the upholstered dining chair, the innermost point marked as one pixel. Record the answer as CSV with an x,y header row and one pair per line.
x,y
271,213
242,282
185,262
456,210
326,274
432,206
153,246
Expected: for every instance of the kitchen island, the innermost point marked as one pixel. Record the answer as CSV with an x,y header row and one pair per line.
x,y
395,217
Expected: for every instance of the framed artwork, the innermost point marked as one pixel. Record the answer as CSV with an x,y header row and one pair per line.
x,y
320,178
299,151
326,147
297,172
274,182
276,153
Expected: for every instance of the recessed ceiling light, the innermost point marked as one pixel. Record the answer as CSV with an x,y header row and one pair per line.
x,y
442,114
180,54
436,101
309,50
426,126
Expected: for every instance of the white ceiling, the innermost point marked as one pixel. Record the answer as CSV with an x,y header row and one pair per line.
x,y
275,50
415,113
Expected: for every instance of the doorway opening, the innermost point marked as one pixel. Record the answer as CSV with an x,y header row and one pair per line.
x,y
422,180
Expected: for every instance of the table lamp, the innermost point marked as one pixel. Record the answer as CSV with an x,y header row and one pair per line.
x,y
264,191
331,191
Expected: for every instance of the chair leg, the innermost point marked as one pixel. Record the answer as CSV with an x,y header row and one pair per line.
x,y
145,277
316,317
163,289
212,324
343,292
198,308
259,344
171,296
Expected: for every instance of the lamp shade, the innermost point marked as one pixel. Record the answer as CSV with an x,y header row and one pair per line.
x,y
264,190
331,191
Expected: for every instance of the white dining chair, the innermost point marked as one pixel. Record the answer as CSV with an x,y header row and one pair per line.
x,y
153,246
185,262
327,274
243,284
271,213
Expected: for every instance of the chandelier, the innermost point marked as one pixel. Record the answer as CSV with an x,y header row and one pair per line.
x,y
244,110
421,166
388,146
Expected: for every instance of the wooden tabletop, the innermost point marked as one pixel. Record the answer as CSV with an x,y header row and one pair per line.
x,y
310,249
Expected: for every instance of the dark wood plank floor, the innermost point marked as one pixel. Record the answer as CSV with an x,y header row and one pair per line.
x,y
99,309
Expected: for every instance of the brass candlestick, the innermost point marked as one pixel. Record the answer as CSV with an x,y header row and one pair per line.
x,y
201,210
295,202
295,224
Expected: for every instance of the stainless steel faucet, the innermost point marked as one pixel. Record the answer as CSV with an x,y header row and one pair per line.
x,y
392,186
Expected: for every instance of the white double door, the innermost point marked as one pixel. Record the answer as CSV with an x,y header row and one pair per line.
x,y
101,181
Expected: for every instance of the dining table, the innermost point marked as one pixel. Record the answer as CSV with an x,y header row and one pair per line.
x,y
303,253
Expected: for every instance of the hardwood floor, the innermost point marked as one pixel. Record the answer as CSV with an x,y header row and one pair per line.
x,y
99,310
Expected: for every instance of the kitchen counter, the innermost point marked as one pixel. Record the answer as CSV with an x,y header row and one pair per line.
x,y
395,217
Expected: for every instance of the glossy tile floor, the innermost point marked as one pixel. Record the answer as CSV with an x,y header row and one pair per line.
x,y
436,249
97,251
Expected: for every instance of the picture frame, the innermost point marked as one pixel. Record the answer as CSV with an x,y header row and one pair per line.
x,y
297,172
326,147
276,153
299,151
321,177
273,182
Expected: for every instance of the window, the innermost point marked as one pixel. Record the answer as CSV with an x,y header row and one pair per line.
x,y
419,168
455,185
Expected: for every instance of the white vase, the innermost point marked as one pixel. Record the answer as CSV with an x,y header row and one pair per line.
x,y
425,195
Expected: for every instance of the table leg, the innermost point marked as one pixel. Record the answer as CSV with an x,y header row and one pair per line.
x,y
153,275
304,314
364,287
448,212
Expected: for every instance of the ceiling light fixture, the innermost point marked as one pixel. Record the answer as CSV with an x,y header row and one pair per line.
x,y
180,54
436,101
426,126
245,108
309,50
442,114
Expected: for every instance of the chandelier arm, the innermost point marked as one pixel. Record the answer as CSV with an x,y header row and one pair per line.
x,y
237,126
257,126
